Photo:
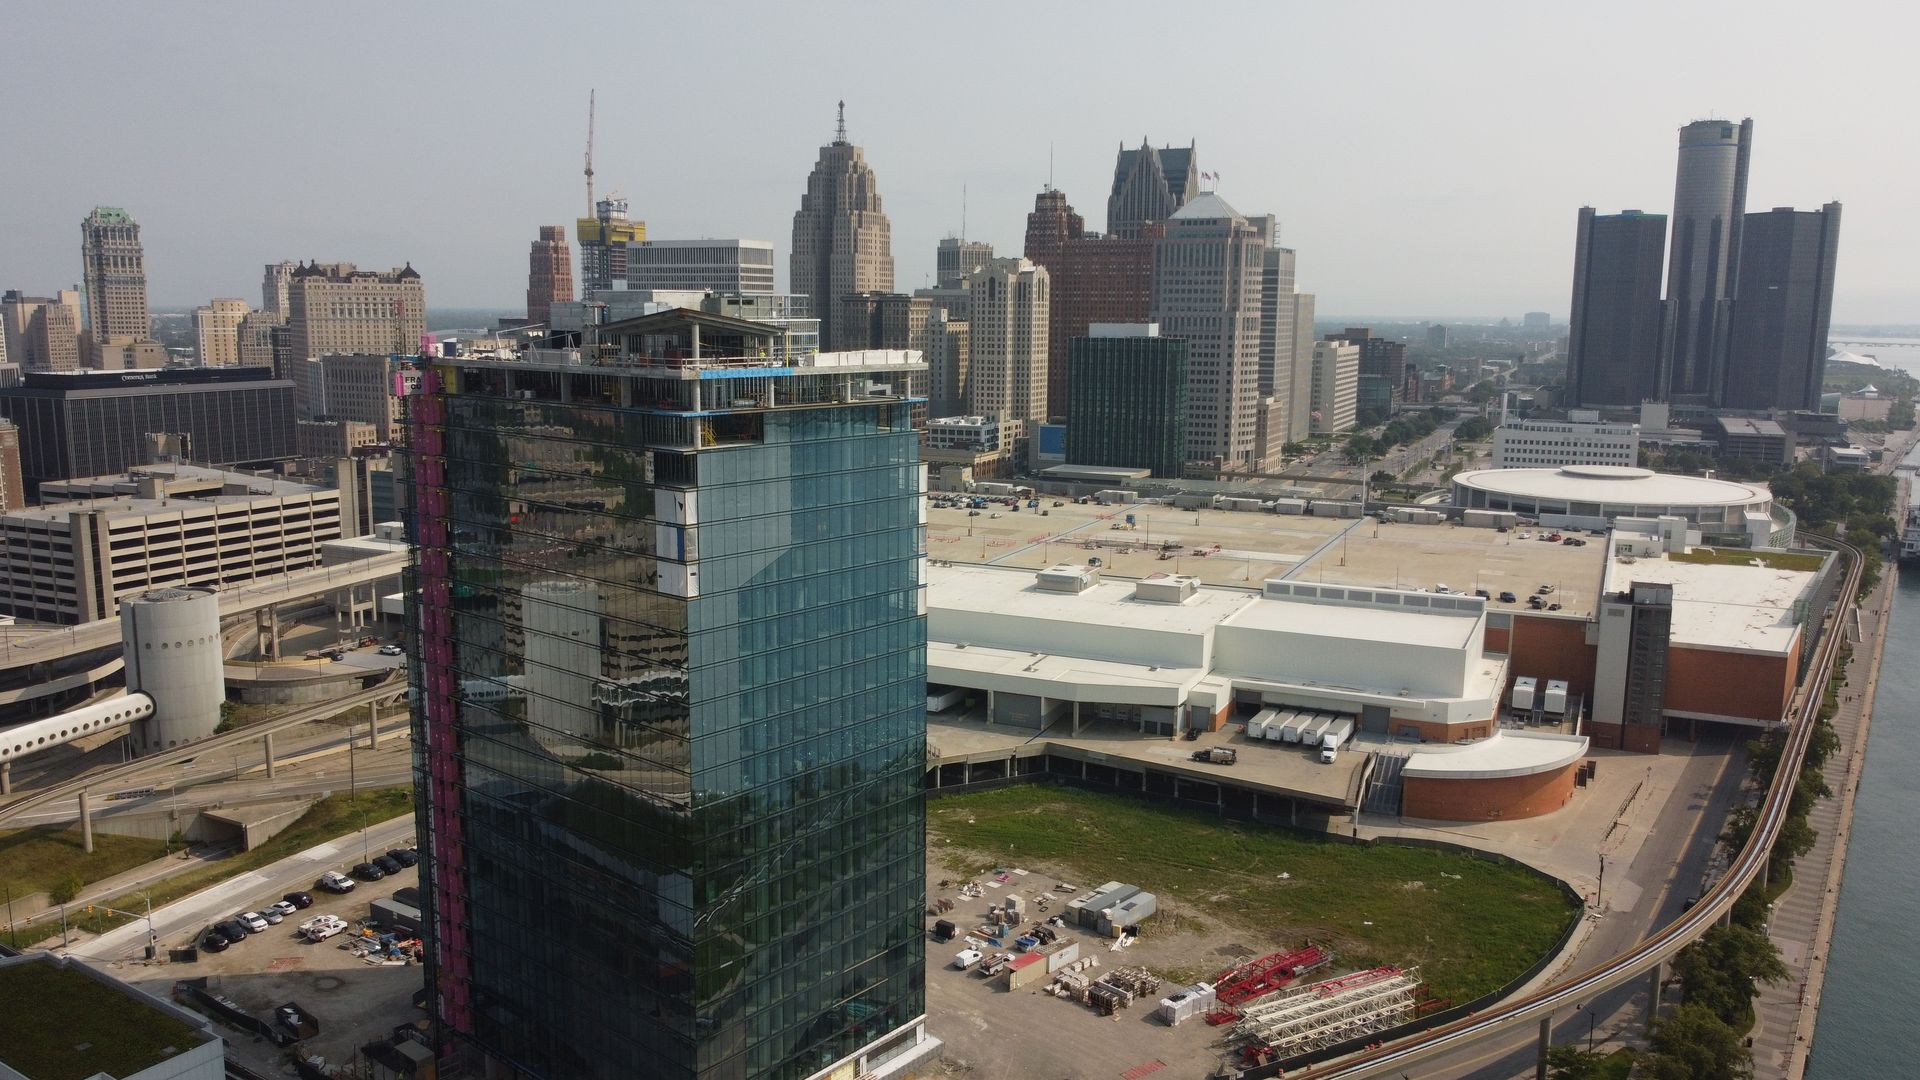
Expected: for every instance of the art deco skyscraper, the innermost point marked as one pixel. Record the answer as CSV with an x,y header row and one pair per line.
x,y
1149,185
1616,331
956,258
1777,358
1207,288
842,243
549,274
116,275
1709,209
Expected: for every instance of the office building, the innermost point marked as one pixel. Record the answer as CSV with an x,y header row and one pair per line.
x,y
1537,321
708,755
883,320
216,332
1129,404
1007,344
1617,331
549,274
842,243
1100,279
327,439
97,540
956,258
116,277
1709,211
1742,438
355,386
253,338
1149,185
1777,354
1336,386
339,308
1533,444
726,266
276,286
1207,275
93,423
1050,224
42,332
1438,336
1383,365
13,486
604,241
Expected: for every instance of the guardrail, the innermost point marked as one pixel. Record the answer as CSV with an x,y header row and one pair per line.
x,y
1426,1039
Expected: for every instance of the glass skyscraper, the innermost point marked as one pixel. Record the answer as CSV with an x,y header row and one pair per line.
x,y
670,719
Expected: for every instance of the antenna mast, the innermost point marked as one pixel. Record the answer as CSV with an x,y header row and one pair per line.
x,y
590,96
840,129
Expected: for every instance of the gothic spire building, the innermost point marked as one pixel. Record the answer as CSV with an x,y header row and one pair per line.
x,y
1149,185
842,243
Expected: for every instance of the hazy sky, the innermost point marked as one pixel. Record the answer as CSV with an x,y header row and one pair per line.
x,y
1424,158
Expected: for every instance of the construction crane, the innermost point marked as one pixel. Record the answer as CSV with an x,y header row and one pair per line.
x,y
590,102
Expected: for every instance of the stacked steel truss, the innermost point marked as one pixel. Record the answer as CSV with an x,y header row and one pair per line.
x,y
1325,1013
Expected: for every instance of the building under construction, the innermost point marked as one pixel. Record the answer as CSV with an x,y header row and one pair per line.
x,y
603,244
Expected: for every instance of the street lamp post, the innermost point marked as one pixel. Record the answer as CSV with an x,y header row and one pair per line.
x,y
1600,889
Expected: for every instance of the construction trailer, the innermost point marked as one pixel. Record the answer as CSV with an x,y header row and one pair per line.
x,y
1076,907
1129,912
1102,899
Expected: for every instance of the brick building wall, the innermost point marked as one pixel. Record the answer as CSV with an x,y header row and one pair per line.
x,y
1730,684
1501,798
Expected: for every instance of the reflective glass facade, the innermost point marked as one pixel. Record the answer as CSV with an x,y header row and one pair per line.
x,y
671,728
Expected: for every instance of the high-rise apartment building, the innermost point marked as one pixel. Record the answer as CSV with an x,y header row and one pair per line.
x,y
1286,359
42,332
842,242
339,308
253,338
1709,210
726,266
1207,280
1617,331
697,765
216,332
1300,394
1149,185
275,284
549,274
1336,386
604,239
1382,362
1007,341
1129,404
1777,355
116,277
956,258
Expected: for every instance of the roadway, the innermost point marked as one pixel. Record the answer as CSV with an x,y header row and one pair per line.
x,y
245,892
1520,1015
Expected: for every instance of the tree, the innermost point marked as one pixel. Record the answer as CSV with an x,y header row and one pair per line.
x,y
1691,1043
64,890
1382,476
1473,429
1572,1063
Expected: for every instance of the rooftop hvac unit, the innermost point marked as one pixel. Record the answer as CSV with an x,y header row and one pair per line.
x,y
1166,589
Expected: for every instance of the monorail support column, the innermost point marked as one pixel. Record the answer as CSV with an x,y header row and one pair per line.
x,y
6,778
266,751
1546,1043
86,823
1653,993
373,725
1076,718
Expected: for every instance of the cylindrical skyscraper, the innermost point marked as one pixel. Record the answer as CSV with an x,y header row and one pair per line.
x,y
1709,204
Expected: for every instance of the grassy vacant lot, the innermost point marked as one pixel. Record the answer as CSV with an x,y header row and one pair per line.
x,y
57,1024
333,816
1471,925
38,859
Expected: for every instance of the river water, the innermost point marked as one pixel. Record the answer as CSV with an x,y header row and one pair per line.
x,y
1868,1008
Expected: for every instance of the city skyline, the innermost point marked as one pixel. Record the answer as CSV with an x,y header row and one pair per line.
x,y
1467,147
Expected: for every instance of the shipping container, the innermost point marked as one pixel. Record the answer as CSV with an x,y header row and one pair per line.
x,y
1026,970
1064,955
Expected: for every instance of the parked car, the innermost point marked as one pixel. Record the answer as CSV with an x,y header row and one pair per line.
x,y
214,942
298,899
322,927
1482,594
387,864
272,914
334,881
404,856
253,921
367,872
392,650
1508,598
233,930
284,907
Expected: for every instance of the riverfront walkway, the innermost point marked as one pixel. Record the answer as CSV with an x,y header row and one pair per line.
x,y
1801,923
